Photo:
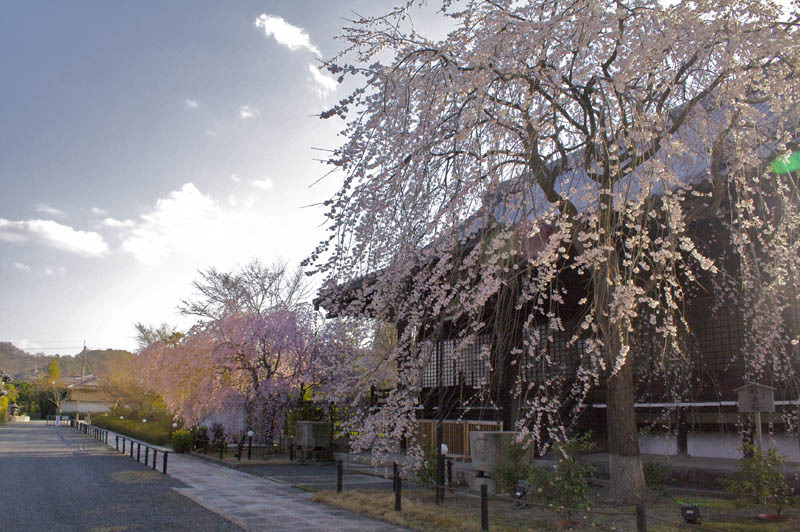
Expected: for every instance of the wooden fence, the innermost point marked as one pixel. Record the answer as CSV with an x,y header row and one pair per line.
x,y
455,434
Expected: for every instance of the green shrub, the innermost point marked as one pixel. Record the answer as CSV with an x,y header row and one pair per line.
x,y
182,441
657,476
151,432
759,479
218,438
3,407
568,482
426,471
516,468
565,486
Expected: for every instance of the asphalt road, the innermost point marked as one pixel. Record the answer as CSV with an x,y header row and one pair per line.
x,y
57,479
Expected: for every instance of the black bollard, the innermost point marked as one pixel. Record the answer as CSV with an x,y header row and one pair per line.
x,y
450,473
394,476
338,476
291,452
146,455
116,442
131,448
155,452
641,518
164,462
249,447
398,489
123,445
138,451
484,507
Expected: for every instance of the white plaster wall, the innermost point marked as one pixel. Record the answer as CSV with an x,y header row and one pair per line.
x,y
717,445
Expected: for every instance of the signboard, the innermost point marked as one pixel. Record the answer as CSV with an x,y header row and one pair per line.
x,y
756,398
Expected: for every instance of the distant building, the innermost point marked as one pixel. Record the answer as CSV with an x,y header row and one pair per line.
x,y
84,395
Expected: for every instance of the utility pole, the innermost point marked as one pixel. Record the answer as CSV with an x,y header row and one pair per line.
x,y
83,367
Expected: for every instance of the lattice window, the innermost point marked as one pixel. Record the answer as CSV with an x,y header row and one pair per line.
x,y
720,336
553,355
469,366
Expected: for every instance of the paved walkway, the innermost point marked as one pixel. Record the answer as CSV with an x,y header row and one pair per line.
x,y
257,503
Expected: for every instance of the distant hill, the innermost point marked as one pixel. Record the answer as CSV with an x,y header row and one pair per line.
x,y
22,365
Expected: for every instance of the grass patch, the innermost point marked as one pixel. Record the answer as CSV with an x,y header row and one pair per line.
x,y
743,525
416,515
711,503
229,456
462,513
135,477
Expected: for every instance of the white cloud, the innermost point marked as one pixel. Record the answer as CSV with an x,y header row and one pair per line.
x,y
53,271
47,209
55,235
235,178
263,184
293,37
21,267
190,229
325,84
112,222
247,111
191,104
196,229
98,211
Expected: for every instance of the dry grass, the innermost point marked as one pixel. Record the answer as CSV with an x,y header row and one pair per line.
x,y
416,514
462,513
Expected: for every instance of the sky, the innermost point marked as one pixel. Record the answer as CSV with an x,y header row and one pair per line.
x,y
141,142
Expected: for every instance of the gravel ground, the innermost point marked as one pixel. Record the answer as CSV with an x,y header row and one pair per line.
x,y
56,479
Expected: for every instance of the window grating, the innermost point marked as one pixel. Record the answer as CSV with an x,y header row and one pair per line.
x,y
469,366
719,338
553,356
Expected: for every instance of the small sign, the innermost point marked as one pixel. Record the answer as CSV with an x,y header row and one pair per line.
x,y
756,398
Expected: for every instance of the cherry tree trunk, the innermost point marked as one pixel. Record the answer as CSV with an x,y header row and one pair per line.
x,y
625,464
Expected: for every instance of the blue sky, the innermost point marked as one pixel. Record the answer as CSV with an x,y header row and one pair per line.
x,y
142,141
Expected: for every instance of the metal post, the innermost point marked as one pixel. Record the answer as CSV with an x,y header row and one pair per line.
x,y
249,447
398,489
394,476
131,448
116,442
641,518
164,462
439,418
484,507
291,450
338,476
450,473
138,451
155,452
123,445
759,436
146,455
